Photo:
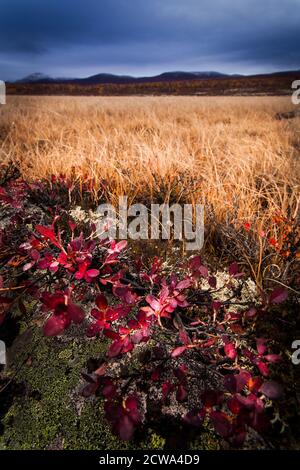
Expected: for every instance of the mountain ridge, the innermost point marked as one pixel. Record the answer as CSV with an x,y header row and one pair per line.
x,y
107,78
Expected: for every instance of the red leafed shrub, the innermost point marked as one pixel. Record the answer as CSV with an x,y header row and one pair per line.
x,y
178,340
64,312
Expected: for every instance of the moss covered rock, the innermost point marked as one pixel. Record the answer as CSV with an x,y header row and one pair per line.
x,y
43,407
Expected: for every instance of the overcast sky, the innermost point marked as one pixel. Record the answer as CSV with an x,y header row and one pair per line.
x,y
71,38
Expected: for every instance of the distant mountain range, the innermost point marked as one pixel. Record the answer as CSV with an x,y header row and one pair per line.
x,y
169,83
106,78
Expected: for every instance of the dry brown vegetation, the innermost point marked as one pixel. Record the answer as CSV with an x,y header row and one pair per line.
x,y
229,153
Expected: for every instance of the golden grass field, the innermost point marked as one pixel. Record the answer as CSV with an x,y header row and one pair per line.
x,y
229,153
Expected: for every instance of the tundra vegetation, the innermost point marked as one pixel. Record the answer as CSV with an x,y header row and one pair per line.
x,y
140,345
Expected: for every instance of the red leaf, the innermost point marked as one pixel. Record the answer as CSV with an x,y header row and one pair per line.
x,y
203,271
273,358
35,255
101,302
55,325
131,405
216,305
263,368
125,294
101,369
120,246
211,398
180,373
181,393
28,266
261,345
93,330
252,312
72,225
234,405
279,295
153,302
109,390
185,284
230,351
221,423
156,374
195,417
115,349
49,234
111,334
76,313
272,390
195,263
184,337
233,269
272,241
254,384
177,351
260,422
166,388
236,382
125,428
93,273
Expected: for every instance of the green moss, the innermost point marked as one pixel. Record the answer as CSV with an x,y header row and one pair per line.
x,y
48,412
205,441
156,441
45,409
65,354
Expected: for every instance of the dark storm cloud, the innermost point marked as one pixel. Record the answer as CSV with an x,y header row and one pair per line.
x,y
72,37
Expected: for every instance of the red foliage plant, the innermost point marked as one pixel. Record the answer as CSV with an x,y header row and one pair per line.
x,y
175,326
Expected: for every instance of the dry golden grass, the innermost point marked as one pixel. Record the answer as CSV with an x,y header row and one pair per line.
x,y
228,152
